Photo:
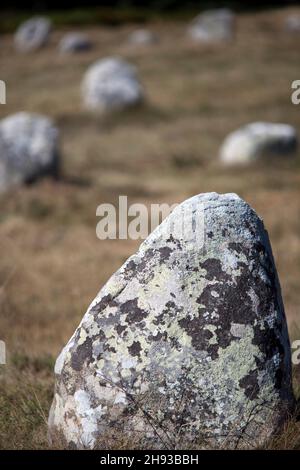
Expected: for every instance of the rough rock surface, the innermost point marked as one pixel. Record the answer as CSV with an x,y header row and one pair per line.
x,y
75,42
32,34
142,37
186,345
258,140
28,149
111,84
212,25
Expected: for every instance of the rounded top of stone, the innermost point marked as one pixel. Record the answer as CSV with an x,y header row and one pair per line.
x,y
24,119
42,20
214,196
208,220
112,66
213,200
270,128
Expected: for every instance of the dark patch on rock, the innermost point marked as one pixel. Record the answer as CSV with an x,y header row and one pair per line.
x,y
106,301
233,303
267,339
170,311
81,353
130,267
165,253
120,329
135,348
108,348
134,313
148,256
194,328
250,384
279,375
214,270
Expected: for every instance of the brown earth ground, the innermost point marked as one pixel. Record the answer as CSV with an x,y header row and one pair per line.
x,y
52,264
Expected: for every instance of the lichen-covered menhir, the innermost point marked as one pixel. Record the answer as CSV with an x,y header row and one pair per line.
x,y
186,346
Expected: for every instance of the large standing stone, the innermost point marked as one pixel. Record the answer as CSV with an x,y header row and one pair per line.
x,y
75,42
110,85
187,344
33,34
28,149
258,141
212,25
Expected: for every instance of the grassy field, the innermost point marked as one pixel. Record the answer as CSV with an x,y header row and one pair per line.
x,y
51,263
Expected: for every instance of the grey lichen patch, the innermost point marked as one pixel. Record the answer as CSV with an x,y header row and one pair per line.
x,y
185,344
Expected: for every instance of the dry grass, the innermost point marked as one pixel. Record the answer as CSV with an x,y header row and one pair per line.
x,y
52,264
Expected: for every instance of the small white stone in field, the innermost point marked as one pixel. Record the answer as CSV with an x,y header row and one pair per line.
x,y
111,84
28,149
212,25
32,34
75,42
142,37
258,140
292,24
